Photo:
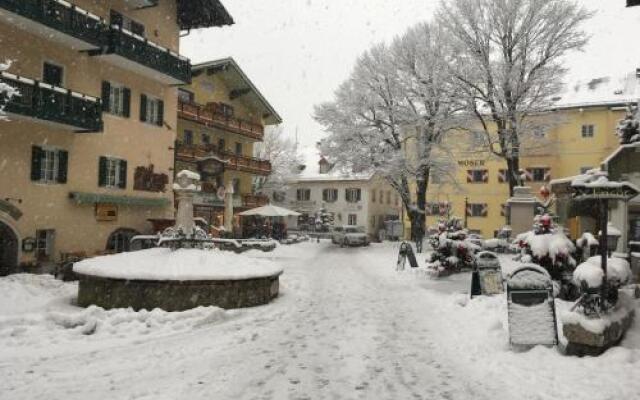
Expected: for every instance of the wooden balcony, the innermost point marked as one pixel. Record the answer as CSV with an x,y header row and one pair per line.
x,y
233,162
210,117
254,200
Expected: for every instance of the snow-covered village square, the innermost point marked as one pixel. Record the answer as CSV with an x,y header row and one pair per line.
x,y
286,199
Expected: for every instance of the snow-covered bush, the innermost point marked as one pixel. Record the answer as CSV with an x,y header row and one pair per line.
x,y
497,245
548,247
6,91
452,250
628,129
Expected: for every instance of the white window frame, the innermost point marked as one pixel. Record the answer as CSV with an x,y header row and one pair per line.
x,y
49,165
351,195
477,207
538,169
588,131
352,219
153,110
112,173
306,194
116,98
332,195
44,246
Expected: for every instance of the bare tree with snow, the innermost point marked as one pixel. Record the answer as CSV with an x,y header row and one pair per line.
x,y
508,64
392,112
282,152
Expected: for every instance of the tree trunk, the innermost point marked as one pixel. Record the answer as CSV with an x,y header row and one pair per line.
x,y
513,173
418,219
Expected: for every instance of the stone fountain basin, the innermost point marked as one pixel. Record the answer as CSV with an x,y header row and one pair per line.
x,y
176,280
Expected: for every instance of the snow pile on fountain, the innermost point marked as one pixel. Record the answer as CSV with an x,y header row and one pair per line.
x,y
162,264
590,272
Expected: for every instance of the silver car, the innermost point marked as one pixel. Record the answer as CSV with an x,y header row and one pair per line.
x,y
349,235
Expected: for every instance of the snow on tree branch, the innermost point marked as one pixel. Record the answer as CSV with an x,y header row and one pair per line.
x,y
6,91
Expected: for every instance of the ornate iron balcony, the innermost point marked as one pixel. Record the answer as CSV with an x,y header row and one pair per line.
x,y
45,102
170,67
74,22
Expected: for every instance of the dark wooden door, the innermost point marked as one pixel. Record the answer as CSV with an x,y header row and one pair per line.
x,y
8,250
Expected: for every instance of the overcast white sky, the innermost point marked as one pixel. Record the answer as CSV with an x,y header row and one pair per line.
x,y
298,51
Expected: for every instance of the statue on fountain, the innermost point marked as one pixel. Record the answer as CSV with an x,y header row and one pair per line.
x,y
185,233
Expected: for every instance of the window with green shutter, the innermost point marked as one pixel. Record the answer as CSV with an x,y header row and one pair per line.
x,y
112,172
151,110
49,165
116,99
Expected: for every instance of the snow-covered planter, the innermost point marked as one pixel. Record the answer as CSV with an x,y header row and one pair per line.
x,y
593,334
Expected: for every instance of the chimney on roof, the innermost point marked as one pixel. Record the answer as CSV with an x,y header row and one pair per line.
x,y
325,166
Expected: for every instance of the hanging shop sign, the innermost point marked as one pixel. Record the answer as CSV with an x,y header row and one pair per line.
x,y
106,212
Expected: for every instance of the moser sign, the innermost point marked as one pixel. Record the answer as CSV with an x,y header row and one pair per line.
x,y
471,163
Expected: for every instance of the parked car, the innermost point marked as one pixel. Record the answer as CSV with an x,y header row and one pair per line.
x,y
349,235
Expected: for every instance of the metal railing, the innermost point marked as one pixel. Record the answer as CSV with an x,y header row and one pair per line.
x,y
206,115
136,48
62,16
232,161
52,103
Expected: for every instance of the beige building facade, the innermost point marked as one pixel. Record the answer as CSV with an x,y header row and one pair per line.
x,y
579,135
221,116
86,152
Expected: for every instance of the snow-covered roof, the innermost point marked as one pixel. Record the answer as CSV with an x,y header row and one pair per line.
x,y
312,173
606,90
236,76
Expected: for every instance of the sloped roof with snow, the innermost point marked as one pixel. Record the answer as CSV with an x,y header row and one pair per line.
x,y
312,173
606,90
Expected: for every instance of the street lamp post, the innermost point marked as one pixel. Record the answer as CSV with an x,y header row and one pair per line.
x,y
466,212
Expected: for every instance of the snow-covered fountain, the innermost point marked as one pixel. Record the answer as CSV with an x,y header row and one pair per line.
x,y
185,271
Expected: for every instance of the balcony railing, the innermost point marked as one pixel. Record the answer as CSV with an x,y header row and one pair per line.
x,y
54,104
148,54
61,16
207,115
232,161
254,200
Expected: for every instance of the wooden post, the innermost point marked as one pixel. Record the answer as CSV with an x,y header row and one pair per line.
x,y
604,216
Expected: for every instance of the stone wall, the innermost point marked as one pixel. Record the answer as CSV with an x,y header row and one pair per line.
x,y
176,295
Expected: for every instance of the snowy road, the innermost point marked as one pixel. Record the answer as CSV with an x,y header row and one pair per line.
x,y
346,326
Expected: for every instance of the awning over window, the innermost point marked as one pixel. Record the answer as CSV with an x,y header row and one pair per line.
x,y
93,198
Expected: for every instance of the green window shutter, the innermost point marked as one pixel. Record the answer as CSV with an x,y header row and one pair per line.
x,y
36,160
102,171
122,184
106,93
160,120
143,108
63,165
127,103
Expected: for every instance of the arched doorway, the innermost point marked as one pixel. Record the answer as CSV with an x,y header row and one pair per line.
x,y
120,240
8,249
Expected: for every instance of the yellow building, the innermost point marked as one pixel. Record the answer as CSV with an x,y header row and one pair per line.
x,y
86,153
221,114
581,134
